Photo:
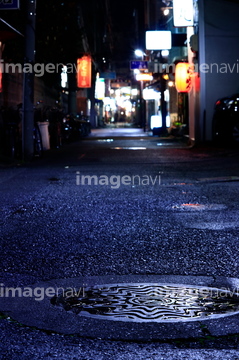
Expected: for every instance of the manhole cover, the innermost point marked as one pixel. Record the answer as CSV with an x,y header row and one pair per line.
x,y
196,206
135,307
148,302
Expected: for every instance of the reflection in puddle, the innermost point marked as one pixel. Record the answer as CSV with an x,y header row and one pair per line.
x,y
129,148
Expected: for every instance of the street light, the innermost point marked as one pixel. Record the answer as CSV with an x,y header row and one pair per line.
x,y
139,53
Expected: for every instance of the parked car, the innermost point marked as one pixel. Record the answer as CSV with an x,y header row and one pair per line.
x,y
226,120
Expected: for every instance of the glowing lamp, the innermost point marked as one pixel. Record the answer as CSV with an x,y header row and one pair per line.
x,y
183,77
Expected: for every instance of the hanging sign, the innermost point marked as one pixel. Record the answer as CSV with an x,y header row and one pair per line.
x,y
158,40
183,13
138,65
84,72
144,77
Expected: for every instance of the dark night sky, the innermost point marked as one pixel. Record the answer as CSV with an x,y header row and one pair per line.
x,y
122,14
123,26
52,23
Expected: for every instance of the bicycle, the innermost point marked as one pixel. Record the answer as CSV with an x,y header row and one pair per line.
x,y
12,129
36,134
37,141
11,133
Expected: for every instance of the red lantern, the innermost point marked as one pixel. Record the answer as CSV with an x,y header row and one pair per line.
x,y
84,72
183,77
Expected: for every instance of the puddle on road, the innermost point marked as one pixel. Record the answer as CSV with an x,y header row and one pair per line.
x,y
129,148
105,140
213,225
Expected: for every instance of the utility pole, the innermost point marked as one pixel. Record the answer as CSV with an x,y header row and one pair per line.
x,y
142,107
28,82
163,102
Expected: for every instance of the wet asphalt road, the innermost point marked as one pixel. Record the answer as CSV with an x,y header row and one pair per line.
x,y
176,213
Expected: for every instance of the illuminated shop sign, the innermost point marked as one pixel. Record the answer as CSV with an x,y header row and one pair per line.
x,y
158,40
84,72
144,77
183,13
